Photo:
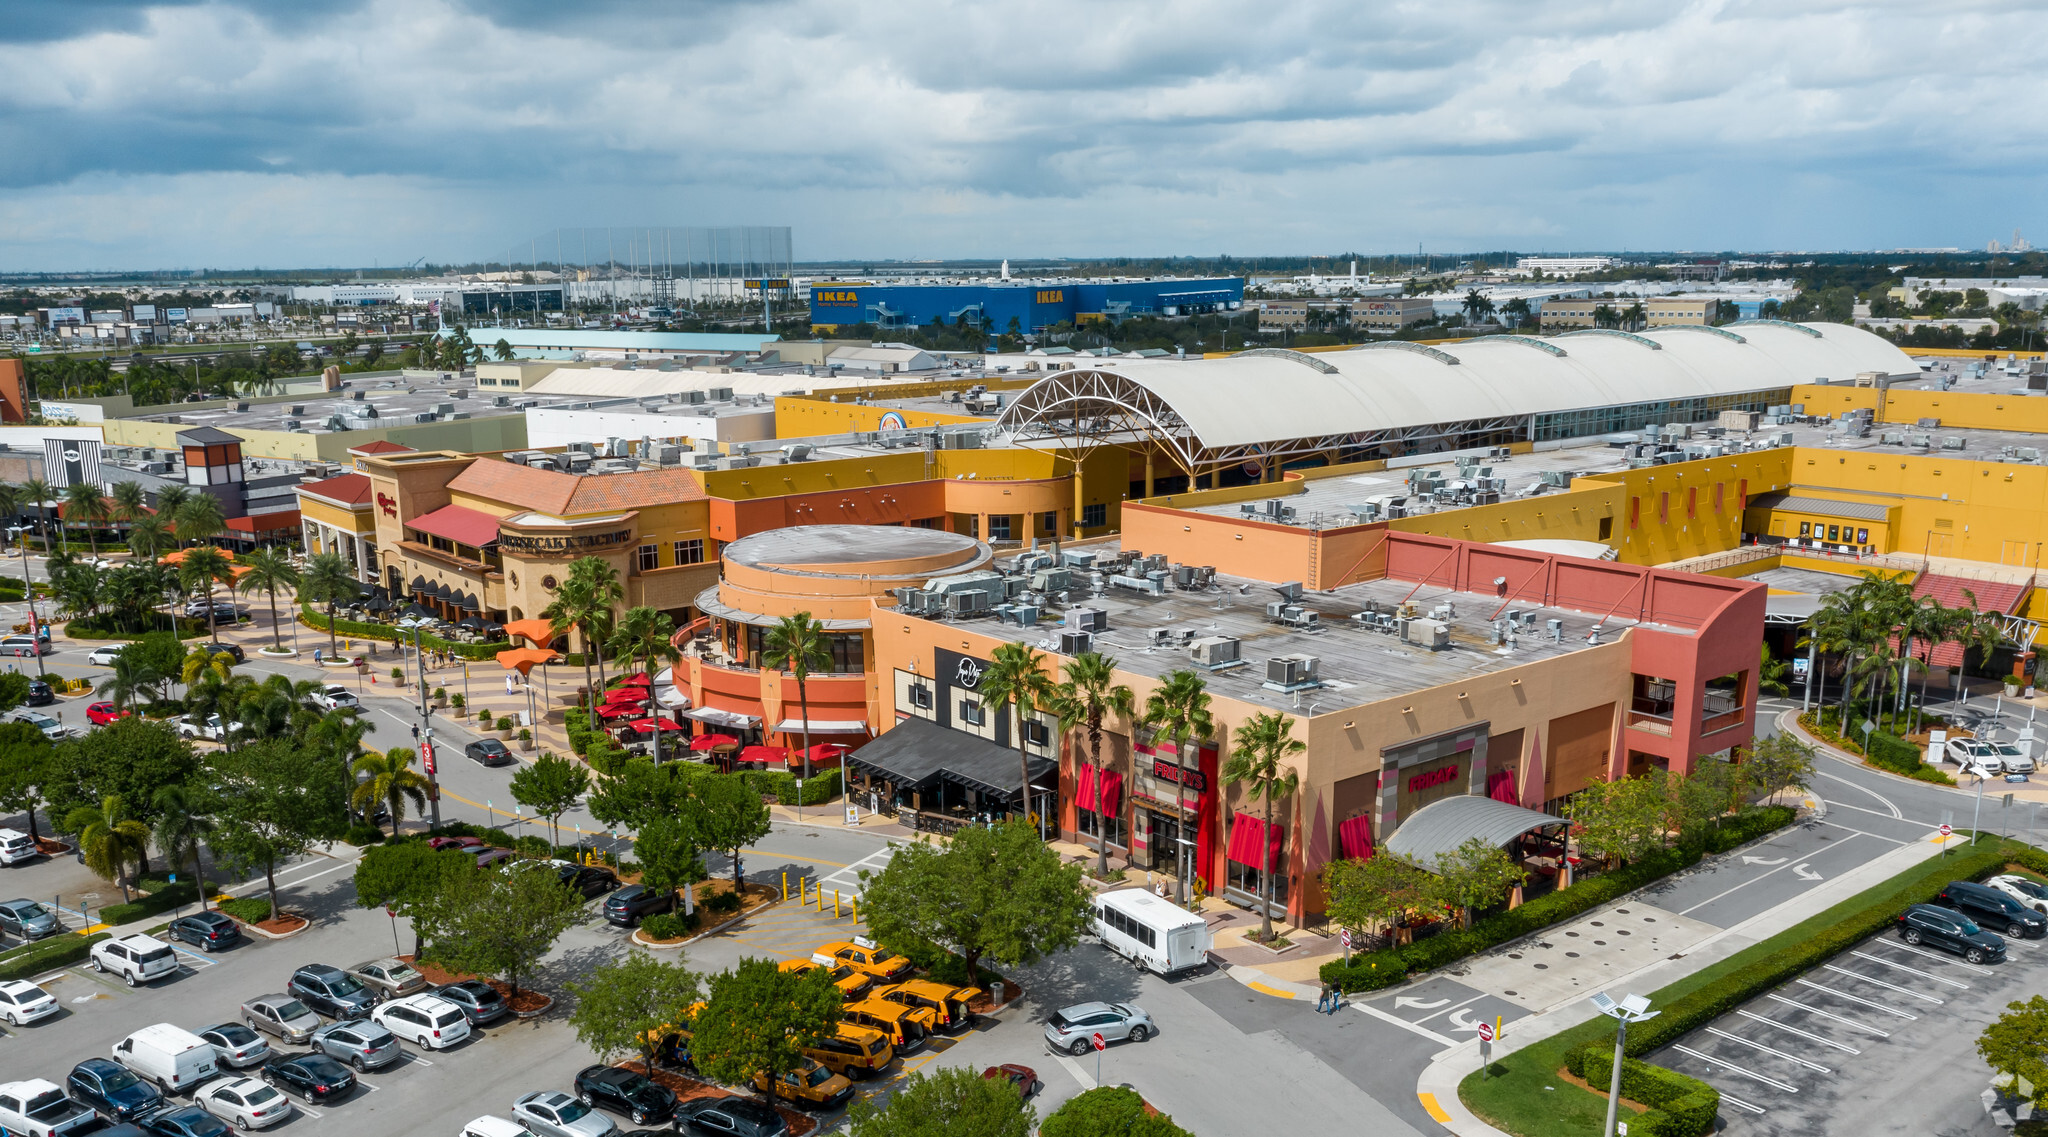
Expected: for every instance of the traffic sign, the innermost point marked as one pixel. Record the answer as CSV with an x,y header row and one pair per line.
x,y
1344,937
1486,1032
1946,830
1100,1044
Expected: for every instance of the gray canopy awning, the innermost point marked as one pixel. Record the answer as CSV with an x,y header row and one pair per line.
x,y
917,754
1442,826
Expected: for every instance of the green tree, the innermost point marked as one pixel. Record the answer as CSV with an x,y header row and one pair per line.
x,y
25,760
184,821
624,1002
2017,1043
1374,893
278,799
150,535
204,566
584,601
503,350
328,580
727,814
409,878
644,634
110,839
269,570
199,517
1476,874
1776,764
550,788
1177,711
11,501
1016,678
1089,695
86,506
1619,820
1108,1111
798,644
638,792
1259,763
502,923
200,663
77,587
991,891
952,1101
758,1018
39,494
129,758
669,855
389,780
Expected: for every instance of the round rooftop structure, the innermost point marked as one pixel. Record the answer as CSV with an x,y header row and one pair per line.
x,y
832,571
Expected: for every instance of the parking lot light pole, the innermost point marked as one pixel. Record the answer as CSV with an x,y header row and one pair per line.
x,y
425,731
1631,1009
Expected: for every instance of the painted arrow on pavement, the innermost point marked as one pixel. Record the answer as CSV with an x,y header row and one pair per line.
x,y
1804,873
1764,861
1463,1020
1402,1001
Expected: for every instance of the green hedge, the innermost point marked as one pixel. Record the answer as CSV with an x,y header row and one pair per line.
x,y
1887,751
33,960
102,627
1374,970
162,900
819,788
1679,1106
248,909
317,620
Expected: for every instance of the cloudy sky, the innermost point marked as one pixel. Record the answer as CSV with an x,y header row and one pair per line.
x,y
353,132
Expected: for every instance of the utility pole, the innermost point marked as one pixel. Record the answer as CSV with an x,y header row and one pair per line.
x,y
424,733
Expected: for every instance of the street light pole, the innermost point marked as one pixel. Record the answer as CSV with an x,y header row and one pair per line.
x,y
425,731
1632,1008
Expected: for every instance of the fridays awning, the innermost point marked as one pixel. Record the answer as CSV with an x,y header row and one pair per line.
x,y
730,719
824,726
1442,826
917,754
539,633
522,659
1247,834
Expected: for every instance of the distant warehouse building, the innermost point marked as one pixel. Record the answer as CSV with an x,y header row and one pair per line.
x,y
1658,311
1383,314
1023,306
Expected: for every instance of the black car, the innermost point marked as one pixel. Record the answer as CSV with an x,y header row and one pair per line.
x,y
628,904
480,1002
111,1091
39,693
1987,904
729,1117
190,1121
616,1089
314,1077
233,650
489,751
589,880
207,931
331,991
1953,931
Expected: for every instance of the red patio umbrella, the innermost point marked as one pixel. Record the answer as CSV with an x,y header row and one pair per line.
x,y
827,753
774,755
619,710
646,726
626,695
713,741
640,680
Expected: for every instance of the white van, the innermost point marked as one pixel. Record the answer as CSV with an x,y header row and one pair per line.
x,y
1151,931
173,1058
15,847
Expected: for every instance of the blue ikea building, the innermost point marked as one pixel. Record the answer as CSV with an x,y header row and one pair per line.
x,y
1028,305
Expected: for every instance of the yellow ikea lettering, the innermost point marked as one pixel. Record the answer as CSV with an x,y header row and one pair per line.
x,y
1052,296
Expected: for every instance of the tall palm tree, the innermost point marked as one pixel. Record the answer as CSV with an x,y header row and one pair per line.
x,y
110,839
85,505
199,518
131,680
169,500
584,601
149,536
643,634
572,608
130,502
269,569
389,780
39,493
182,827
1178,711
79,587
326,579
206,565
1089,695
11,499
798,644
1259,763
1015,677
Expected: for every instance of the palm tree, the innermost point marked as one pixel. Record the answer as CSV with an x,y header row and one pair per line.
x,y
110,839
572,608
388,780
644,633
182,828
503,350
584,601
207,565
1089,695
131,680
11,498
326,579
1258,761
169,500
130,502
85,505
149,535
199,661
39,493
199,518
1178,711
269,569
798,644
78,587
1014,677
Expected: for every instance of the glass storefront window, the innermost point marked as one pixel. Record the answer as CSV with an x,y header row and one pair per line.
x,y
1246,879
1090,822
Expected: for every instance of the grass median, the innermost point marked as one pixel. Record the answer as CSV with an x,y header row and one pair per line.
x,y
1523,1092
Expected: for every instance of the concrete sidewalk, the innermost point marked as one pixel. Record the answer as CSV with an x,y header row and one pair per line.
x,y
1438,1086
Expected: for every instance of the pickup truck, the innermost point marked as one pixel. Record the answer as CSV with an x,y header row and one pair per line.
x,y
38,1108
208,729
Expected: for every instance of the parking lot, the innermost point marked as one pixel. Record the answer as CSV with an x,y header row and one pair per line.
x,y
1880,1039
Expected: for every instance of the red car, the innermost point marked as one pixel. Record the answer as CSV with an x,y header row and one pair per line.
x,y
1022,1077
103,712
439,843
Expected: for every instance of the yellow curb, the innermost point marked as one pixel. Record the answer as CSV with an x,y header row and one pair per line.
x,y
1262,989
95,928
1434,1110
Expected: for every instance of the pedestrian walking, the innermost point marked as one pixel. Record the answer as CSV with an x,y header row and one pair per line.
x,y
1336,1000
1323,1000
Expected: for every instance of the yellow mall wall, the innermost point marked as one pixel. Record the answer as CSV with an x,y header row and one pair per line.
x,y
1948,507
1957,410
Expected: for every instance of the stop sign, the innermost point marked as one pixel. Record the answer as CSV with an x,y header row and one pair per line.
x,y
1100,1044
1486,1032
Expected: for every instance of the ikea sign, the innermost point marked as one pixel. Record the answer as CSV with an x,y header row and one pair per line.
x,y
834,297
1051,296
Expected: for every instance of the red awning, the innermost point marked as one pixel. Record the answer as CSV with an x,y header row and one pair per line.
x,y
264,522
1354,838
625,695
1084,788
459,524
1112,791
1247,833
775,755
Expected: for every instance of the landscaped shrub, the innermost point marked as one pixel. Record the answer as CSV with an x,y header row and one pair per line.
x,y
360,835
162,900
63,951
723,902
1680,1106
532,846
1108,1111
504,722
668,925
247,909
317,620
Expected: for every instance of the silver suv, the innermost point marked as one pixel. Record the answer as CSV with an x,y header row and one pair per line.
x,y
1072,1029
358,1042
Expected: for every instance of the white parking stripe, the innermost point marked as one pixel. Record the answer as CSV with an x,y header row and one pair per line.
x,y
1910,970
1738,1103
1833,1016
202,960
1856,999
1736,1038
1907,991
1930,955
1790,1029
1727,1065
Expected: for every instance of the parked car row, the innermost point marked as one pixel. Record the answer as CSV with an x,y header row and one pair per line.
x,y
1988,759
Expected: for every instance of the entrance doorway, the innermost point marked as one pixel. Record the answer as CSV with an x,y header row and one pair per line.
x,y
1162,843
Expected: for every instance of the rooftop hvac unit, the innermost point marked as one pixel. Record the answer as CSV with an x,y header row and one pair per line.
x,y
1432,634
1291,670
501,400
1078,560
459,393
1088,619
1052,580
1215,651
1556,628
668,455
583,447
1952,443
967,602
1290,591
425,416
691,397
298,411
1892,438
739,463
720,394
1022,615
796,452
444,408
913,600
357,395
2027,454
459,415
1076,643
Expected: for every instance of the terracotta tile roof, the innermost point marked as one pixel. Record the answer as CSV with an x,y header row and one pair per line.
x,y
459,524
349,489
574,495
380,447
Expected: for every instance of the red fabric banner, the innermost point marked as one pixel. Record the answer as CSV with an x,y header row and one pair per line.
x,y
1112,791
1503,787
1354,838
1247,833
1084,790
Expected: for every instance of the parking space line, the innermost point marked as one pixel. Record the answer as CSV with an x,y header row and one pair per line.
x,y
1831,1015
204,961
1727,1065
1929,955
1790,1029
1856,999
1907,991
1814,1066
1910,970
307,1110
1738,1103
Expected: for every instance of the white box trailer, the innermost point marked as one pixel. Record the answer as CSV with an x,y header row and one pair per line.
x,y
1151,931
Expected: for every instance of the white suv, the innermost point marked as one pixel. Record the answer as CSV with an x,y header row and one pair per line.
x,y
137,959
427,1021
